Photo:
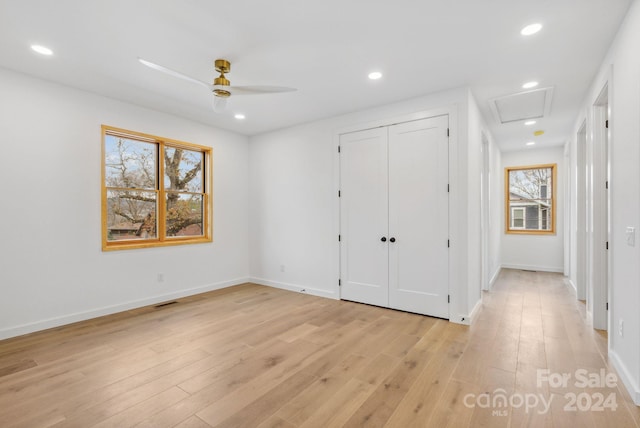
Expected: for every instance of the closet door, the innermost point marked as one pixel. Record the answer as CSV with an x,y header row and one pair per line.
x,y
364,263
418,217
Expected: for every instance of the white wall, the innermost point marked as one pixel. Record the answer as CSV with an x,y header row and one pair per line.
x,y
292,231
535,252
621,70
52,268
294,204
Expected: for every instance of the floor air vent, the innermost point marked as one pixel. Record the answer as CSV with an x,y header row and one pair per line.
x,y
162,305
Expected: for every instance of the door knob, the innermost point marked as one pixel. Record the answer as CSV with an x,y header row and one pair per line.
x,y
383,239
392,239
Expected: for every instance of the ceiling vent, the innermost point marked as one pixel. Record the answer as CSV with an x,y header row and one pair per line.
x,y
534,104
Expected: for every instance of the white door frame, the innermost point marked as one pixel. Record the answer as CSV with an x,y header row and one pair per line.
x,y
485,214
581,213
568,224
600,203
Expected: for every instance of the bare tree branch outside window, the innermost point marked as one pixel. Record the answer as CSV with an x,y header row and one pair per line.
x,y
143,205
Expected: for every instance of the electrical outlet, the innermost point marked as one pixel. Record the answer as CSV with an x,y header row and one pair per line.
x,y
620,328
160,277
630,234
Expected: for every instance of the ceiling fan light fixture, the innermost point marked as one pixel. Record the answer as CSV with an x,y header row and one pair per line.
x,y
220,100
221,93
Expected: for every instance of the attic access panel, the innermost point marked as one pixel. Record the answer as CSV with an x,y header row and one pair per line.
x,y
534,104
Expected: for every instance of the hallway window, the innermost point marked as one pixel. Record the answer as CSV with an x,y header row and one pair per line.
x,y
530,199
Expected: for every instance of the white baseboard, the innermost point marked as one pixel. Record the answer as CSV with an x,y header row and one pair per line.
x,y
558,269
461,319
494,277
627,379
475,312
571,283
295,287
108,310
467,319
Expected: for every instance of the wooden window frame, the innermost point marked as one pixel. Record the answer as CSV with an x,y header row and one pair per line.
x,y
508,208
161,240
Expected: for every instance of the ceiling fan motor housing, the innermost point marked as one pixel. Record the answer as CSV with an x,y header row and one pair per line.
x,y
222,66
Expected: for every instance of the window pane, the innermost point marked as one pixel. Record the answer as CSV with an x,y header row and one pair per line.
x,y
131,215
184,214
532,217
183,170
530,198
129,163
518,217
545,219
534,183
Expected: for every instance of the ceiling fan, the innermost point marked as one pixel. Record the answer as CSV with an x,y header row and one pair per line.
x,y
221,87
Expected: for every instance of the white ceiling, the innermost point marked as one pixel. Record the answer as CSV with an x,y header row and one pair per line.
x,y
324,48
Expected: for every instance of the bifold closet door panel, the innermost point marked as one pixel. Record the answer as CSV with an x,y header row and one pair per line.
x,y
418,216
364,265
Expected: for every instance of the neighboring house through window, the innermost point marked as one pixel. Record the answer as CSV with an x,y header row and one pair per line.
x,y
530,199
155,191
517,218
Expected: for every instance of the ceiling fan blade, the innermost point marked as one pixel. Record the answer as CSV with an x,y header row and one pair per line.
x,y
254,90
173,73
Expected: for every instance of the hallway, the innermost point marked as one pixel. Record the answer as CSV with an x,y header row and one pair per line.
x,y
532,321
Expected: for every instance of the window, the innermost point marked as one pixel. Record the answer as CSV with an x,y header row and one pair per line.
x,y
530,199
155,191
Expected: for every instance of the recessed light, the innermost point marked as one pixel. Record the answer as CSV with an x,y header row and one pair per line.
x,y
530,85
375,75
531,143
531,29
530,122
240,116
42,50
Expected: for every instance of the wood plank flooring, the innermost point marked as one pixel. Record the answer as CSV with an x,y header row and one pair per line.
x,y
253,356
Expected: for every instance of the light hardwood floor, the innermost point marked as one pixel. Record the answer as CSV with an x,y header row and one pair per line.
x,y
253,356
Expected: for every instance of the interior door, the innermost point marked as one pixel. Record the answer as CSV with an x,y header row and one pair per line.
x,y
419,217
364,265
